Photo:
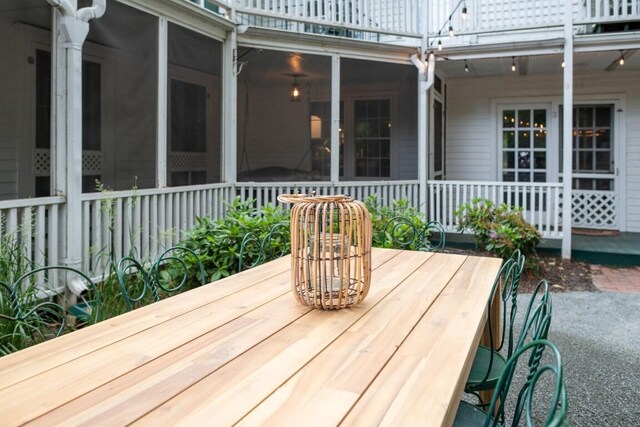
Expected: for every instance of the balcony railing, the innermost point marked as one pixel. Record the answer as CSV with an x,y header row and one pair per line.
x,y
362,18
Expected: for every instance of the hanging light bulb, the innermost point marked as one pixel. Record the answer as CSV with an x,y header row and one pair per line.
x,y
451,33
562,65
294,92
466,66
621,58
439,44
464,12
513,63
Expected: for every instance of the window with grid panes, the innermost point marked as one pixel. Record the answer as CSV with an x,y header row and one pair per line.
x,y
524,145
372,138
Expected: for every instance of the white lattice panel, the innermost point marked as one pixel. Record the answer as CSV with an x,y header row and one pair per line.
x,y
41,162
594,209
91,162
187,161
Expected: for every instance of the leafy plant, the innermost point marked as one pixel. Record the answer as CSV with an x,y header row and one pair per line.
x,y
217,242
498,229
404,232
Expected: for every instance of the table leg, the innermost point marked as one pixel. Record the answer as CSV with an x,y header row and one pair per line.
x,y
496,327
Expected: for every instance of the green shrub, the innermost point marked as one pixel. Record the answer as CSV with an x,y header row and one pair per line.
x,y
217,242
498,229
404,232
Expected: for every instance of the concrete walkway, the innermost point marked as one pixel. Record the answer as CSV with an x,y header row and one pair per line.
x,y
598,335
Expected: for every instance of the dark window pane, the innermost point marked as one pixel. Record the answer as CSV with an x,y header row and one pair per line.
x,y
179,178
603,138
198,177
508,160
585,117
524,118
385,149
372,109
385,109
585,161
90,183
539,177
540,160
361,129
585,140
43,186
509,176
603,161
603,116
539,138
604,184
524,139
508,139
360,109
540,119
509,119
524,177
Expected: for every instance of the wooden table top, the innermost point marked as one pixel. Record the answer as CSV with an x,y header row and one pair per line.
x,y
242,350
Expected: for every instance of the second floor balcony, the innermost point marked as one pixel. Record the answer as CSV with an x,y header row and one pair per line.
x,y
407,21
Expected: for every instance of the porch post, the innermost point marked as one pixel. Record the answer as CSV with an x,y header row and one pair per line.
x,y
229,107
423,142
161,130
71,32
335,118
567,131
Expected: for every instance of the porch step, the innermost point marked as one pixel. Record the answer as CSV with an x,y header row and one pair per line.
x,y
621,250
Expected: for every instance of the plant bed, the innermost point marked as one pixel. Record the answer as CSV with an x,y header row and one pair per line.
x,y
562,275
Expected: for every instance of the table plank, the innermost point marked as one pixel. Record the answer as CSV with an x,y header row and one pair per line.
x,y
167,375
19,366
414,388
337,377
55,387
236,388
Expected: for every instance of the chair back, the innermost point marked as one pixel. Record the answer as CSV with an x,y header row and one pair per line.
x,y
255,250
403,233
525,398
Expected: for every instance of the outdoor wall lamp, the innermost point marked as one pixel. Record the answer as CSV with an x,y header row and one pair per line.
x,y
294,92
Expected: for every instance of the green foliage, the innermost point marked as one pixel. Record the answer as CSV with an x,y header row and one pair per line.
x,y
217,242
400,234
498,229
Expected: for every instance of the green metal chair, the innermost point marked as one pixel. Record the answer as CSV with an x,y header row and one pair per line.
x,y
521,404
488,361
140,287
401,232
255,250
29,316
181,259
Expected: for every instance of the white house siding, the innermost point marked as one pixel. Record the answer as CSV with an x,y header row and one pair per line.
x,y
407,135
472,122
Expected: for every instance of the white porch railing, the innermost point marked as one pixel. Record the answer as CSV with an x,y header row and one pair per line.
x,y
387,191
145,221
35,225
595,11
541,202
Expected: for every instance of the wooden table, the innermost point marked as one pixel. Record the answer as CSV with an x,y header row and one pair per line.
x,y
242,350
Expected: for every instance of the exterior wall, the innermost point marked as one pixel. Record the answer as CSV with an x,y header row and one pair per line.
x,y
472,122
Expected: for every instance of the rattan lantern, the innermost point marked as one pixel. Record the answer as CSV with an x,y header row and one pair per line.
x,y
330,250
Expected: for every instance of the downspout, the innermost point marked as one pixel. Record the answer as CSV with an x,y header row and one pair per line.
x,y
71,32
426,77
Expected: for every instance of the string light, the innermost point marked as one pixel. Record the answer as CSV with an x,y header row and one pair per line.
x,y
464,14
621,58
562,65
513,63
466,66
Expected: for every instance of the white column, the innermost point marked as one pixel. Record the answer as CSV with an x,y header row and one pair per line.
x,y
423,141
161,144
229,155
567,132
335,118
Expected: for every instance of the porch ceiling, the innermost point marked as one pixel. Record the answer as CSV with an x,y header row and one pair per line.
x,y
540,64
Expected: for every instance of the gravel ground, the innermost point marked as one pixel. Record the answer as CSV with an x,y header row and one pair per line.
x,y
598,335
